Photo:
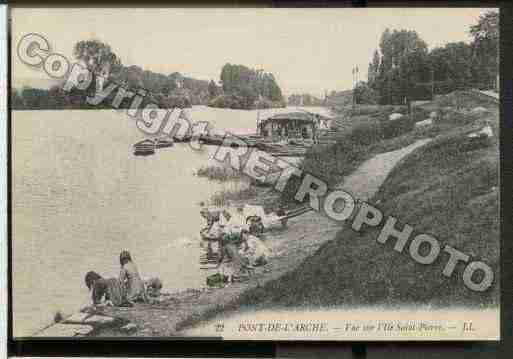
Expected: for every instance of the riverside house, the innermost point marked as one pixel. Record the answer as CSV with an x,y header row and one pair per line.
x,y
292,125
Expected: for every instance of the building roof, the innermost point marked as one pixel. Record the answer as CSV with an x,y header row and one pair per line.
x,y
303,116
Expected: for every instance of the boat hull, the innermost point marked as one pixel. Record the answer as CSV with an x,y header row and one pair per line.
x,y
144,153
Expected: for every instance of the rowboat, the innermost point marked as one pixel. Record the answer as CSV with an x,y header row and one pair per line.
x,y
144,148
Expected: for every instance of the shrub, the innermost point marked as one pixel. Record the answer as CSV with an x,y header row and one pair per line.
x,y
227,101
218,173
391,129
224,197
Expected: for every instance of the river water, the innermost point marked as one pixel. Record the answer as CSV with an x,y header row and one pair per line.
x,y
80,197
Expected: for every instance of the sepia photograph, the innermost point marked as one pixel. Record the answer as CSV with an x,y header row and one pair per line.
x,y
316,174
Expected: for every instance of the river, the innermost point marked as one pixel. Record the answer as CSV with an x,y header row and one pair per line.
x,y
80,197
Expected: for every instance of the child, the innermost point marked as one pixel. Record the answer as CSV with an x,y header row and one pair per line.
x,y
153,287
130,278
100,287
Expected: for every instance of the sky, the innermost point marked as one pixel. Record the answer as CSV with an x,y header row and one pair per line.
x,y
308,50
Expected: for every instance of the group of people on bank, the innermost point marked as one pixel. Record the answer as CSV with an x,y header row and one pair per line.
x,y
235,239
239,240
125,290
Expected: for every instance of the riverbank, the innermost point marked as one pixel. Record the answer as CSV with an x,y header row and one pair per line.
x,y
303,236
449,189
320,262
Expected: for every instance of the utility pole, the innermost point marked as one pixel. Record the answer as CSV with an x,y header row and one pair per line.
x,y
354,86
389,88
432,84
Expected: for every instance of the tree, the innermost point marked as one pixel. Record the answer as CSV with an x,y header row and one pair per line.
x,y
404,61
487,27
99,58
364,94
452,65
486,47
372,74
16,100
34,98
212,89
248,85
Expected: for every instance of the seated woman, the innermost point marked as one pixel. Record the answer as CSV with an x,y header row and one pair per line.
x,y
254,249
130,278
234,264
109,289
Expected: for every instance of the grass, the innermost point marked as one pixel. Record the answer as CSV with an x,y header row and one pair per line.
x,y
225,197
361,138
367,132
218,173
447,188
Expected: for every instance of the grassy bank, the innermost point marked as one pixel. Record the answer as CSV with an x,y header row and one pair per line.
x,y
447,188
227,196
362,133
250,189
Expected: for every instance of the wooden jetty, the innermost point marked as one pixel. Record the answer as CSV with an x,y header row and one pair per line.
x,y
163,143
285,134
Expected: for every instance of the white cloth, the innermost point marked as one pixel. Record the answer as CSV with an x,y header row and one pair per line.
x,y
395,116
272,220
222,220
427,122
236,224
256,249
485,132
268,220
215,231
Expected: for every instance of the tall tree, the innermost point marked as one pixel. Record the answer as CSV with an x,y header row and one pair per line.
x,y
249,84
97,56
452,65
373,68
99,59
403,63
486,47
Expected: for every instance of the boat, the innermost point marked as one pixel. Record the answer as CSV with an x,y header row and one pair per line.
x,y
183,139
163,143
144,148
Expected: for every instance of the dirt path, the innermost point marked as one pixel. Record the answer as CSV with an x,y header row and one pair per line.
x,y
304,235
366,180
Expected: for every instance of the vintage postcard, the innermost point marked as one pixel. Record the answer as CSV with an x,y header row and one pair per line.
x,y
255,174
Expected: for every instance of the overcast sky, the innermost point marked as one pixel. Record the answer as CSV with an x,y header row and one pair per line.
x,y
308,50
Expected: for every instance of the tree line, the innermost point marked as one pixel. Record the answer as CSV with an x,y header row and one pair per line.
x,y
246,88
402,69
241,88
306,100
167,91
